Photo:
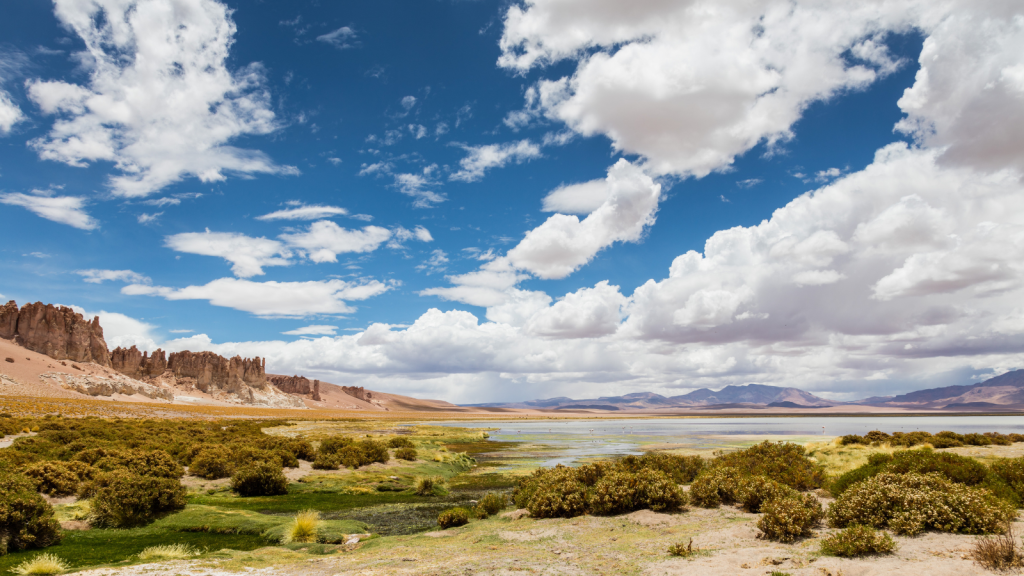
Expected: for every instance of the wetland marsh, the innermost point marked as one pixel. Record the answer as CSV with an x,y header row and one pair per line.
x,y
374,518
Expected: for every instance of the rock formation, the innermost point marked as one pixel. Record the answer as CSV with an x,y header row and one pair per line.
x,y
9,320
357,392
212,371
136,364
297,385
59,332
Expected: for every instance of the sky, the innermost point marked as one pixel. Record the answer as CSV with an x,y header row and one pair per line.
x,y
487,201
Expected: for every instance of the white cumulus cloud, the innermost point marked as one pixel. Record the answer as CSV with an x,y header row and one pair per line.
x,y
68,210
160,102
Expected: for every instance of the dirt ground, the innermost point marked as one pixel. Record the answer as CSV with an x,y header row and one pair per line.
x,y
635,543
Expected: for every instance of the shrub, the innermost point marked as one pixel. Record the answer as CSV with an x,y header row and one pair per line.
x,y
123,499
304,528
399,442
428,485
857,541
877,437
26,519
619,492
784,462
755,491
975,439
998,553
956,468
683,550
43,564
406,454
287,459
681,469
375,451
333,444
911,503
492,503
452,518
786,519
155,463
167,552
301,449
561,495
327,461
53,478
715,486
212,462
248,455
1011,471
261,479
853,439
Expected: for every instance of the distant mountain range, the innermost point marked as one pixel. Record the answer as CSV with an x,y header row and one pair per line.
x,y
1005,392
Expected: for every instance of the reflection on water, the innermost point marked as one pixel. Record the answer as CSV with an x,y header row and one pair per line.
x,y
570,441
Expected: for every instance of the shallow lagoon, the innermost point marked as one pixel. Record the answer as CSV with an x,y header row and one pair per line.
x,y
550,442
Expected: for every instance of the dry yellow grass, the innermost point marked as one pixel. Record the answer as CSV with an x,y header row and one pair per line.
x,y
839,459
41,565
304,528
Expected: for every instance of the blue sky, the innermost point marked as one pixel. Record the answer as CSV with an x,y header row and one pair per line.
x,y
391,194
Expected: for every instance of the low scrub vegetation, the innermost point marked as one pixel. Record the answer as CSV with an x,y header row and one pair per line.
x,y
406,454
788,518
490,504
911,503
857,540
452,518
683,550
26,520
261,479
953,467
122,499
999,553
944,439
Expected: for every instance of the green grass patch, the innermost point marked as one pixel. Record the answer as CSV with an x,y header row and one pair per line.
x,y
294,502
482,482
91,548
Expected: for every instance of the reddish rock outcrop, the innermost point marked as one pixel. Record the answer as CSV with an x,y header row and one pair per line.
x,y
292,384
357,392
137,364
9,320
297,385
59,332
212,371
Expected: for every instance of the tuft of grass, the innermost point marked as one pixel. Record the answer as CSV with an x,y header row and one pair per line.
x,y
998,553
857,541
304,528
683,550
41,565
429,485
167,552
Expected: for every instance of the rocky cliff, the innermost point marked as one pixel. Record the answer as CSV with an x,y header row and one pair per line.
x,y
57,331
232,379
297,385
357,392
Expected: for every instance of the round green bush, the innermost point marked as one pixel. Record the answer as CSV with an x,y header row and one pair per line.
x,y
452,518
53,478
122,499
786,519
333,444
288,460
911,503
260,479
784,462
754,492
327,461
560,496
492,503
212,462
26,519
155,463
714,486
857,541
399,442
301,449
406,454
619,492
